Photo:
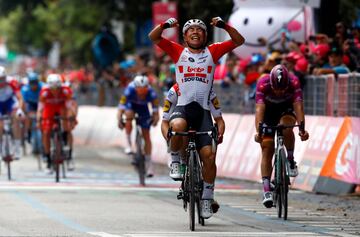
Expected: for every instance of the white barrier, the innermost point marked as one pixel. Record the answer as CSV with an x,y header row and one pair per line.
x,y
240,157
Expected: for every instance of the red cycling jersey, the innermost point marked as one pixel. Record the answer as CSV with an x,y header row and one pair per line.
x,y
53,104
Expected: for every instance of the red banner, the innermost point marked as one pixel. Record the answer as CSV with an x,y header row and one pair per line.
x,y
161,12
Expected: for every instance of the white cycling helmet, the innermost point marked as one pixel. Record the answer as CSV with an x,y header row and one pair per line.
x,y
2,71
194,22
53,80
141,81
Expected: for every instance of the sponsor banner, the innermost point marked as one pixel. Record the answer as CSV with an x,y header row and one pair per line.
x,y
223,155
343,160
311,155
245,152
332,152
161,12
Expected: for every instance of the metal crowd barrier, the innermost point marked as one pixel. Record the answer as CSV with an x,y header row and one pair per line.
x,y
326,95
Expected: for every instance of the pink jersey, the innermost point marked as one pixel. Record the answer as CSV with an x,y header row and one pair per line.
x,y
195,71
265,94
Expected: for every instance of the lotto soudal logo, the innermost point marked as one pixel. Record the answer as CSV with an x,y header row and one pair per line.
x,y
195,69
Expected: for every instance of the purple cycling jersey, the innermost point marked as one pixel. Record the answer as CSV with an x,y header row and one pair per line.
x,y
265,94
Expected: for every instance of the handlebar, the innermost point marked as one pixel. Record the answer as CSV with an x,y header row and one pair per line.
x,y
280,127
213,133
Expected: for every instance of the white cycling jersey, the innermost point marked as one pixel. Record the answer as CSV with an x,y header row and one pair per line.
x,y
195,71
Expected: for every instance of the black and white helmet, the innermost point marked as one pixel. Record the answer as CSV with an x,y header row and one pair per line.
x,y
141,81
194,22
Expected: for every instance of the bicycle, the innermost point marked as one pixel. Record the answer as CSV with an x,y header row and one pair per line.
x,y
282,167
192,184
7,143
57,154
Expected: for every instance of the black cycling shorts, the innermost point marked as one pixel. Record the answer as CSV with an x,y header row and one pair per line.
x,y
197,119
273,114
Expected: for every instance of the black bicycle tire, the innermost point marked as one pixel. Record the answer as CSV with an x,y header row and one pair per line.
x,y
140,158
278,189
141,169
285,185
7,153
63,168
191,191
57,156
9,169
199,188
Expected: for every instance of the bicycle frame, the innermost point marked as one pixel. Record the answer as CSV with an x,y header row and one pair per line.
x,y
192,184
281,167
56,147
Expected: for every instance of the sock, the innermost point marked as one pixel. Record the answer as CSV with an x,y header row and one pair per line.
x,y
266,184
147,157
290,158
175,157
48,160
128,138
208,191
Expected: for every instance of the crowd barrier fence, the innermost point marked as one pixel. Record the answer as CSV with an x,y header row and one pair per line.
x,y
329,162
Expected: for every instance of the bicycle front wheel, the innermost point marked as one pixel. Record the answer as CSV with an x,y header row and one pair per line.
x,y
278,184
191,170
57,156
9,169
285,183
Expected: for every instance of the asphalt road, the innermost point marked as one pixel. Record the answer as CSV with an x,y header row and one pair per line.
x,y
102,198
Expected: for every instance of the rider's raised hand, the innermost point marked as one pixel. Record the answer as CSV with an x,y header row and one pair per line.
x,y
169,23
218,22
304,135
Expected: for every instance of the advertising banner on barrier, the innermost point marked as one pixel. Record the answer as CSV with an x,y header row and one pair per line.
x,y
343,161
323,131
331,155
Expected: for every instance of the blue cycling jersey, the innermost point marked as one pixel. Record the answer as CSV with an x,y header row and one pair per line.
x,y
31,98
131,101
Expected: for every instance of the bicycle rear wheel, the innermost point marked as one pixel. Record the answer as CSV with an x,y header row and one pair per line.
x,y
285,184
192,190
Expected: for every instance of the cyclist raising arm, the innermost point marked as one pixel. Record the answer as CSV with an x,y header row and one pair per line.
x,y
135,100
279,99
195,66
